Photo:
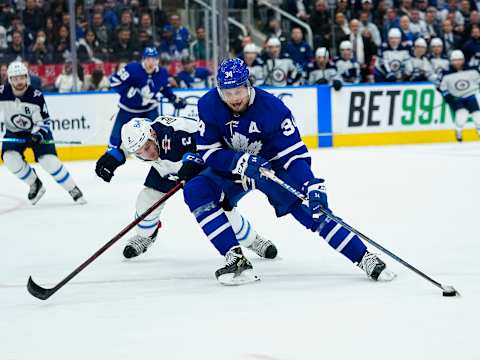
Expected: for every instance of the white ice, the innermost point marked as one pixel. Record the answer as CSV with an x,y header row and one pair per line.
x,y
419,201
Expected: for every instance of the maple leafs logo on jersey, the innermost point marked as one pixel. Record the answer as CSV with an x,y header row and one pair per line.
x,y
241,143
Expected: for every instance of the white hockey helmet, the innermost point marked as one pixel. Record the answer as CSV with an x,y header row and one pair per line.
x,y
420,42
322,52
273,41
346,45
436,42
17,68
136,133
250,48
394,33
457,55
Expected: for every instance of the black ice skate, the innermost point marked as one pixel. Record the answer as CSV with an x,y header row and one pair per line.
x,y
263,247
36,191
375,268
77,195
138,244
458,135
237,270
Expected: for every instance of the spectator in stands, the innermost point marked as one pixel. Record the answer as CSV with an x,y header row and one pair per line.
x,y
406,7
124,46
65,82
341,29
408,38
198,47
342,7
472,47
452,11
181,35
391,21
96,81
62,45
89,50
6,13
320,23
32,16
168,44
367,7
274,29
50,30
41,52
3,38
126,22
417,25
193,77
3,74
465,9
365,24
363,47
450,40
298,8
298,49
144,39
431,23
16,50
110,15
102,34
145,24
473,20
35,81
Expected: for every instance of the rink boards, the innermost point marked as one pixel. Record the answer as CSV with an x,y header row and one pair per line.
x,y
358,115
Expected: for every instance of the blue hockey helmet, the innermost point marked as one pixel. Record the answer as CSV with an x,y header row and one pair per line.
x,y
150,52
232,73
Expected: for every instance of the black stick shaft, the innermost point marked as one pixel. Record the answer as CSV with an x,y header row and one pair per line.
x,y
115,238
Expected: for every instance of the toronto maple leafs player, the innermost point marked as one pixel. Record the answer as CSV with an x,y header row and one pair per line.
x,y
278,69
26,119
422,69
459,88
394,63
254,63
347,67
322,71
162,143
140,87
242,130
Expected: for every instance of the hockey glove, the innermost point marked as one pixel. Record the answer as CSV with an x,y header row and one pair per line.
x,y
108,163
179,103
391,77
192,166
316,196
337,84
35,138
249,166
449,98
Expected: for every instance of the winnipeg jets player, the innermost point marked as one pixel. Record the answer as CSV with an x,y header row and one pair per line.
x,y
347,67
254,63
421,67
26,118
437,59
279,70
394,63
140,87
162,143
244,129
459,87
322,71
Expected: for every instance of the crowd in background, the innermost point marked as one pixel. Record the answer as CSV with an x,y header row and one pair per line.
x,y
37,32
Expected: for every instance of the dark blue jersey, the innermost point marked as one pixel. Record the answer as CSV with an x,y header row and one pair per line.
x,y
140,91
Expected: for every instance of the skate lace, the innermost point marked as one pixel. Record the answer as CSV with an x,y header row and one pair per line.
x,y
260,245
139,243
231,258
369,262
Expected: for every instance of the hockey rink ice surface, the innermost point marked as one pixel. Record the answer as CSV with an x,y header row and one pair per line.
x,y
421,202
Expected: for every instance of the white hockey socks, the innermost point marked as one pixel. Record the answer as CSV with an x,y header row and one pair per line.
x,y
17,166
244,232
145,199
54,167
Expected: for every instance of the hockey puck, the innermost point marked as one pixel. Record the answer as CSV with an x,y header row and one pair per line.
x,y
449,291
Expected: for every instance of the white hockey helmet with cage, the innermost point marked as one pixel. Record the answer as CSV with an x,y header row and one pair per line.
x,y
136,133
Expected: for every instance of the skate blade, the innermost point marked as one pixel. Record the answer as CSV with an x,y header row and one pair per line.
x,y
386,275
40,193
246,277
81,201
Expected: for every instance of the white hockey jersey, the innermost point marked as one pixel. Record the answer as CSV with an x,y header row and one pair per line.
x,y
439,65
396,61
280,72
256,73
349,70
422,70
462,83
27,113
318,75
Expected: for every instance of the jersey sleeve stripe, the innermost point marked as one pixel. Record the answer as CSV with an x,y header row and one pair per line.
x,y
293,158
288,150
209,146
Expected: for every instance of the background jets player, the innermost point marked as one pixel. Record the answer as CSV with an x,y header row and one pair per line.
x,y
26,117
242,129
163,143
140,87
393,64
459,87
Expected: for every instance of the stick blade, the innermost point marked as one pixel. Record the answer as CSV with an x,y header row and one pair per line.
x,y
36,290
450,291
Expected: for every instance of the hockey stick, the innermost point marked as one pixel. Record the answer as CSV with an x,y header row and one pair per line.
x,y
448,290
45,142
44,293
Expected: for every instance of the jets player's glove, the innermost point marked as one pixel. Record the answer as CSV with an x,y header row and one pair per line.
x,y
449,98
316,196
35,138
179,103
192,166
249,166
391,77
108,163
337,84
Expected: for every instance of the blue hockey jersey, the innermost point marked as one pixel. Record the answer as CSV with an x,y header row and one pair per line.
x,y
140,91
267,129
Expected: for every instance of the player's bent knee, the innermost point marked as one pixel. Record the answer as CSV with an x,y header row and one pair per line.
x,y
200,191
51,163
146,198
13,160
